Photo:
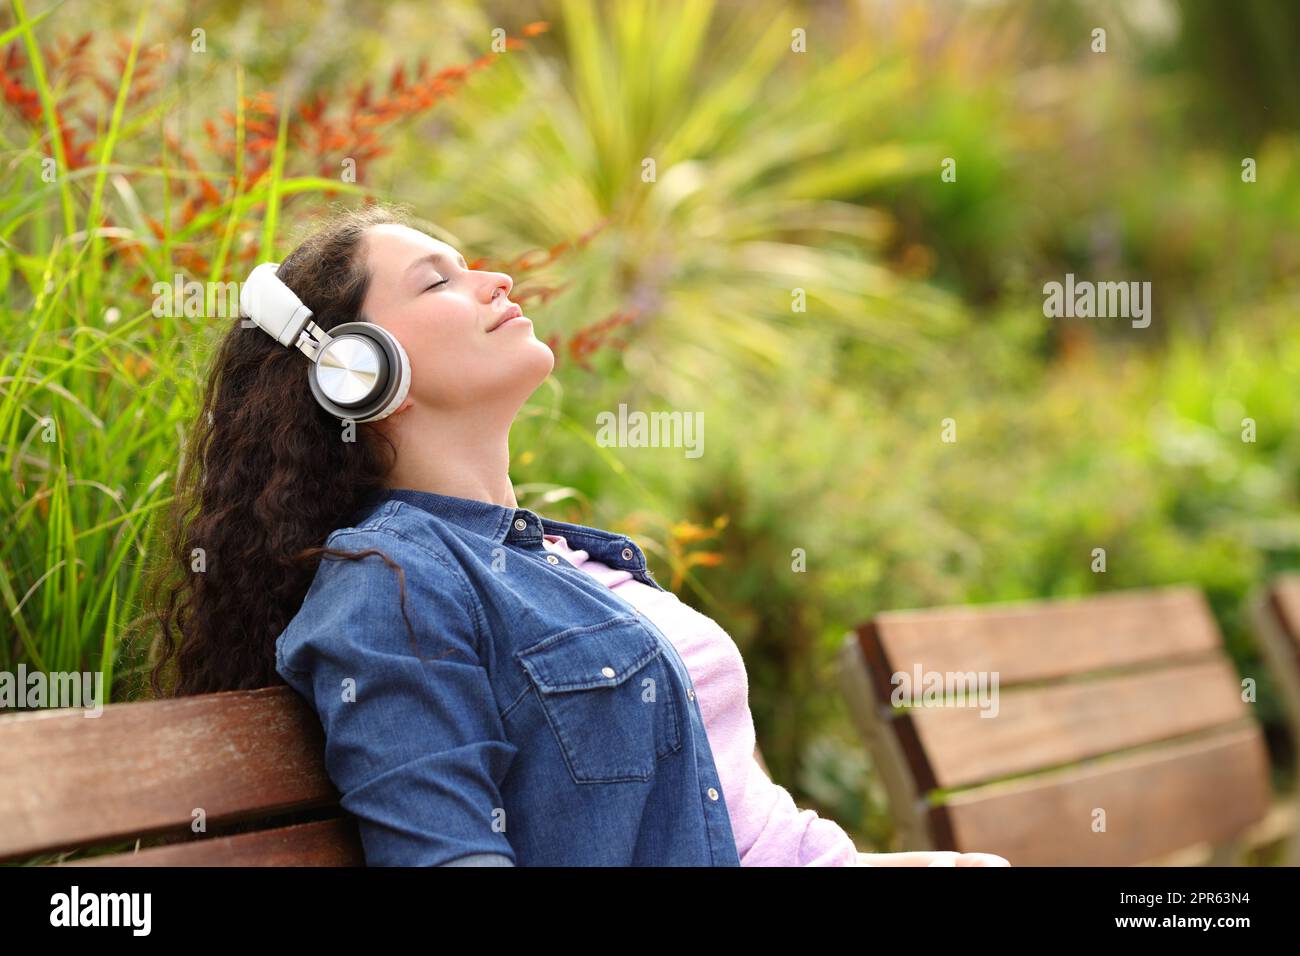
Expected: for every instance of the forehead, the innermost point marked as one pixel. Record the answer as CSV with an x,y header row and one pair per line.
x,y
391,247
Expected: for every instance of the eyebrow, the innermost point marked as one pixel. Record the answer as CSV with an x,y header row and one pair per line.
x,y
433,258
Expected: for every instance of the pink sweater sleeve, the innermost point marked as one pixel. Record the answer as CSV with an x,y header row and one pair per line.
x,y
784,835
769,829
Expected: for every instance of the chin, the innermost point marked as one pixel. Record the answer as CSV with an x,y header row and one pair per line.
x,y
520,369
545,358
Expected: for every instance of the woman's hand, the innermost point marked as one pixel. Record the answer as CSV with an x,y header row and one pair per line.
x,y
931,858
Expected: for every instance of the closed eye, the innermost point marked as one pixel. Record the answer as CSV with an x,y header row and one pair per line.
x,y
436,284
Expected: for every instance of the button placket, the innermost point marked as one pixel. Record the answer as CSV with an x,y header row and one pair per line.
x,y
696,718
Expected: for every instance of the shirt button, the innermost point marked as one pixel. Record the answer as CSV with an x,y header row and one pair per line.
x,y
690,693
627,554
520,524
552,559
713,794
607,671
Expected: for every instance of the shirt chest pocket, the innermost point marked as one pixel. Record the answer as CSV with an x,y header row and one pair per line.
x,y
608,694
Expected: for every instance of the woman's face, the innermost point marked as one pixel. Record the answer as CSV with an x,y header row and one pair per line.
x,y
447,318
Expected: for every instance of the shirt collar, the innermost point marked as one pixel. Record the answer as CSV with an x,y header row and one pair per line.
x,y
495,522
481,517
499,524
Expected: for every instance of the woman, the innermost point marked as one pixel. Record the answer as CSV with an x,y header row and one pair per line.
x,y
495,687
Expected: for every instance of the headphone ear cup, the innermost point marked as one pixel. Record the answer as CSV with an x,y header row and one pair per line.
x,y
392,379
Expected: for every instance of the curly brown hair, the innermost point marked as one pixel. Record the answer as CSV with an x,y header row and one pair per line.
x,y
264,478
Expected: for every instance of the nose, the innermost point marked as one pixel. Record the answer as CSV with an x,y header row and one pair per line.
x,y
501,284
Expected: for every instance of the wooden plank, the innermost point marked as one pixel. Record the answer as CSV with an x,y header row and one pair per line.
x,y
143,768
1041,727
322,843
1041,640
908,809
1275,613
1211,789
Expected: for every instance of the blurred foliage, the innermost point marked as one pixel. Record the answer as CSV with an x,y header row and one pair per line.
x,y
773,172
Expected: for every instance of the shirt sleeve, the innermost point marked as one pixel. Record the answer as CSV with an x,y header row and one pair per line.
x,y
778,833
415,747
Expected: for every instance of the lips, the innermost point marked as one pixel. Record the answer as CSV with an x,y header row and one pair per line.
x,y
511,313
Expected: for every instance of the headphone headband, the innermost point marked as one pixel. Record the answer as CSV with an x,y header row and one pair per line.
x,y
270,303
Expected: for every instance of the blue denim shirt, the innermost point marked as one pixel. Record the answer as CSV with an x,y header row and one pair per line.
x,y
533,718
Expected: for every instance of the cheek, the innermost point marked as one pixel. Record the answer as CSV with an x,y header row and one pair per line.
x,y
450,356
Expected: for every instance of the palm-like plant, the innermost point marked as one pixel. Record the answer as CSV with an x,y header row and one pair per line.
x,y
721,163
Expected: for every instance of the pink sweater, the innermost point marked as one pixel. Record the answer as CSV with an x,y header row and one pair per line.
x,y
769,829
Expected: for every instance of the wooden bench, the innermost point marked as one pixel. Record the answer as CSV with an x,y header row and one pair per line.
x,y
141,771
1275,612
1121,710
246,760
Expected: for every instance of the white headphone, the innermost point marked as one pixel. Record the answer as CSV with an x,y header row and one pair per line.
x,y
358,370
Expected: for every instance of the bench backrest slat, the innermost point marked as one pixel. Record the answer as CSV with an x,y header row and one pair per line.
x,y
1154,803
322,843
141,769
1045,640
1041,727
